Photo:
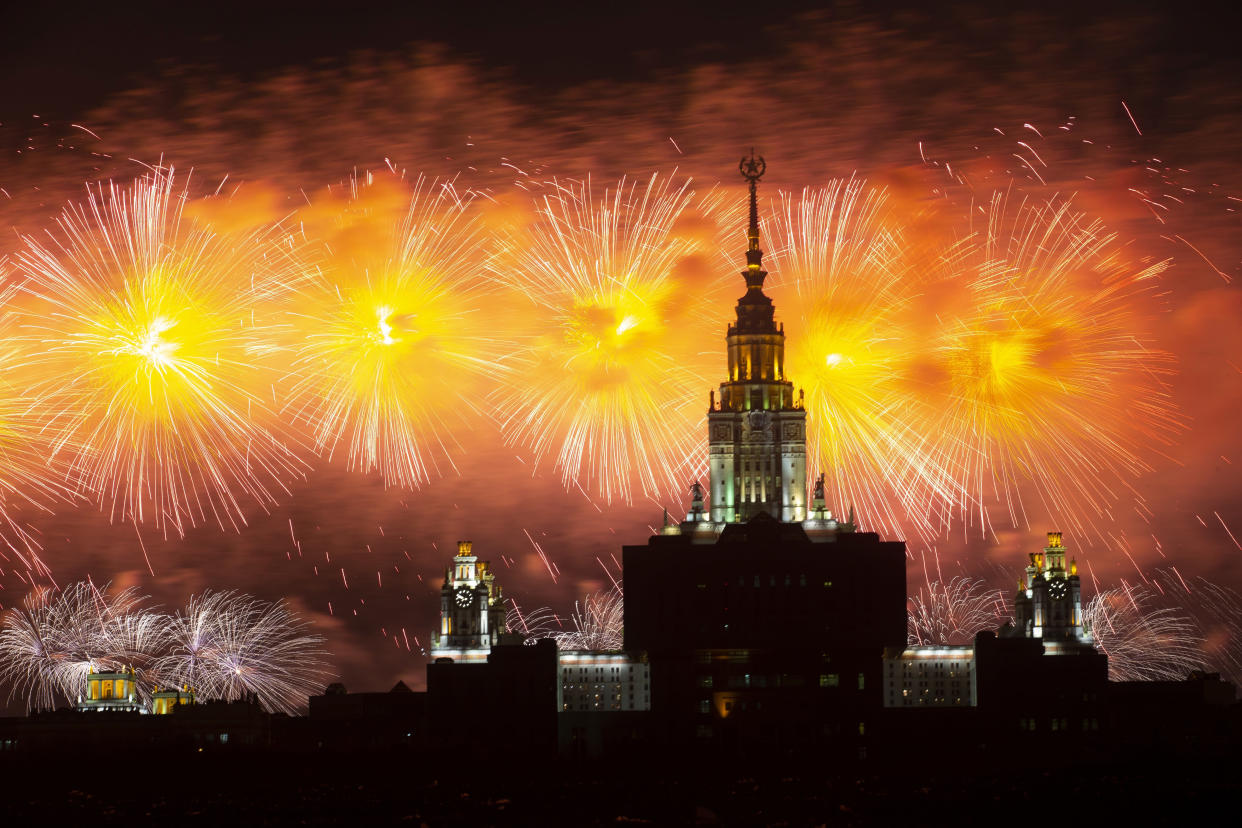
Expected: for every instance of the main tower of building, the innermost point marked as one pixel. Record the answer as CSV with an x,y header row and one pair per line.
x,y
757,428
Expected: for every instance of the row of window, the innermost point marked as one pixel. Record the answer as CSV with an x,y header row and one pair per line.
x,y
1057,724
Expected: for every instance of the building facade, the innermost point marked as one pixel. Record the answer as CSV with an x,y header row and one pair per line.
x,y
591,680
757,427
930,676
112,690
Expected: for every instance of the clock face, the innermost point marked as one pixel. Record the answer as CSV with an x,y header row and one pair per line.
x,y
1057,589
464,597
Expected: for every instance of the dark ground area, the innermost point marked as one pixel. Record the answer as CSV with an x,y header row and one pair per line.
x,y
273,789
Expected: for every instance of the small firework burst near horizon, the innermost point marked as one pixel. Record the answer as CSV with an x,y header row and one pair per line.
x,y
953,612
596,623
52,643
224,645
1143,641
227,645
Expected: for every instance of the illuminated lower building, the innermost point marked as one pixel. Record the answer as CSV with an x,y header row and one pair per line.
x,y
472,614
164,702
111,690
601,681
1046,647
930,676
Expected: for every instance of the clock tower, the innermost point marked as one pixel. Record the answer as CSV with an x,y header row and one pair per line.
x,y
472,615
1049,600
757,427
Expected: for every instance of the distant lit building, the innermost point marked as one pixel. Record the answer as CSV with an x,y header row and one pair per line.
x,y
1048,615
930,676
598,681
111,690
164,702
472,613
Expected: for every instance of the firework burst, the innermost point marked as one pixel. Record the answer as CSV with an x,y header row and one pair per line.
x,y
1143,642
392,338
532,625
49,647
953,613
599,622
853,339
1046,380
142,331
948,375
610,381
227,645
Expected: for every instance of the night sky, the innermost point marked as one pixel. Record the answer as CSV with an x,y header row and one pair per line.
x,y
287,103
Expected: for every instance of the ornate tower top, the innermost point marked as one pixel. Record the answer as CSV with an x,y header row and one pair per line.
x,y
752,169
755,313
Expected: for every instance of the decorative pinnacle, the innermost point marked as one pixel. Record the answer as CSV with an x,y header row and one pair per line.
x,y
752,170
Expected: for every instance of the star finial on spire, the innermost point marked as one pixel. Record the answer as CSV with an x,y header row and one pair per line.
x,y
753,168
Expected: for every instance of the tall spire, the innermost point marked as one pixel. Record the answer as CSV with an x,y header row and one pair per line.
x,y
752,170
754,310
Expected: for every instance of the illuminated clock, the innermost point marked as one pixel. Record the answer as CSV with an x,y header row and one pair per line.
x,y
1057,589
464,597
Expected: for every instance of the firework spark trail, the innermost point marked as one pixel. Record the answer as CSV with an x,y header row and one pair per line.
x,y
836,248
228,645
609,381
29,480
1143,642
392,337
1047,381
598,623
142,332
953,612
50,645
